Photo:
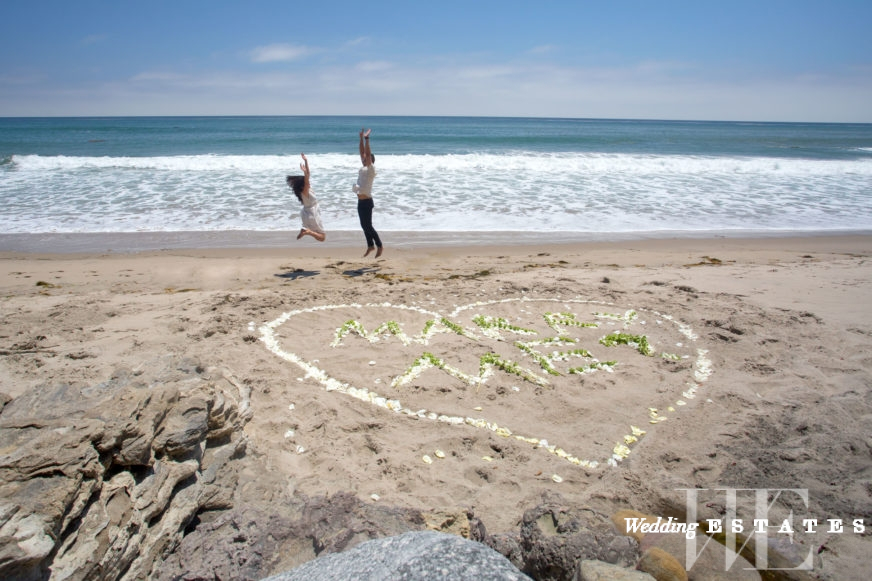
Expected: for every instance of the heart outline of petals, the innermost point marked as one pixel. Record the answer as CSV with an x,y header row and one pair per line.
x,y
702,367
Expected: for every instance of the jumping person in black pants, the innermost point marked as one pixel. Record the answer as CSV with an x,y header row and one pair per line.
x,y
363,189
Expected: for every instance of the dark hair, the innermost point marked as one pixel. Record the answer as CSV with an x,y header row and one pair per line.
x,y
371,157
298,184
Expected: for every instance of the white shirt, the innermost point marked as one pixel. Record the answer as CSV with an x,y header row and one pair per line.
x,y
365,177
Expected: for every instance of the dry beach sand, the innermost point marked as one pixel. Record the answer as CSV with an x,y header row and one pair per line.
x,y
477,378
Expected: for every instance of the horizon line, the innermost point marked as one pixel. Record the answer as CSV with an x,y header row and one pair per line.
x,y
356,115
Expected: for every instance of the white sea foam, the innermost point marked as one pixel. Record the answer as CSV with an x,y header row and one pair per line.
x,y
578,192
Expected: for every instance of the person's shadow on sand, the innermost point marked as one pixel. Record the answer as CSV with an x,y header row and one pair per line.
x,y
295,273
360,271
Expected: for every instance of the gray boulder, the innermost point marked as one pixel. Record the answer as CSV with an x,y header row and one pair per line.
x,y
409,557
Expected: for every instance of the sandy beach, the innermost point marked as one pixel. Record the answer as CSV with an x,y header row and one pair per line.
x,y
478,378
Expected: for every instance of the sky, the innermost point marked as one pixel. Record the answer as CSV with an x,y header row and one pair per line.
x,y
731,60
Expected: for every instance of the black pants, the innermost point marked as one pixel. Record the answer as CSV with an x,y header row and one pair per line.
x,y
364,211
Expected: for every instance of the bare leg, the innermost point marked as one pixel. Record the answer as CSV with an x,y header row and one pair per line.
x,y
319,236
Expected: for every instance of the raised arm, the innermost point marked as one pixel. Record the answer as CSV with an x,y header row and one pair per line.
x,y
365,153
305,167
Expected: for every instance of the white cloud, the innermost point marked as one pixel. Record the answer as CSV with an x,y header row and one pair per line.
x,y
278,53
462,86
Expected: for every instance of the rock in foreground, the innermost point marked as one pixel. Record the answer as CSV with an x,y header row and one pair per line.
x,y
409,557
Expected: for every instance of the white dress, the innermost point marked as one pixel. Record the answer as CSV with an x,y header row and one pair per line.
x,y
311,214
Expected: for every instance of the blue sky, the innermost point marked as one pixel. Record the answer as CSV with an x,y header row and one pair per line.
x,y
760,60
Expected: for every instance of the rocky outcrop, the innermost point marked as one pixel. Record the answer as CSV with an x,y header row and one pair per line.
x,y
554,538
101,483
253,539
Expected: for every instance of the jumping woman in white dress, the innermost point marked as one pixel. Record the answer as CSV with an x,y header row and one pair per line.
x,y
310,214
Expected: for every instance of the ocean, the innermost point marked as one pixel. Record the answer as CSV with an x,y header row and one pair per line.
x,y
442,178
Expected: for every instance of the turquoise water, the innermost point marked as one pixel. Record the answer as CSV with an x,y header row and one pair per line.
x,y
435,175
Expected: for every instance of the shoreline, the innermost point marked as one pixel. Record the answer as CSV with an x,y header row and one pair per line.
x,y
317,268
50,243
